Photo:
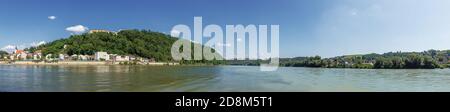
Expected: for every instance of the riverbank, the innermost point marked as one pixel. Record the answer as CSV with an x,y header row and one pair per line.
x,y
81,63
446,67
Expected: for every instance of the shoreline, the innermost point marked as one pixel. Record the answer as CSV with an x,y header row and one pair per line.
x,y
83,63
355,68
76,63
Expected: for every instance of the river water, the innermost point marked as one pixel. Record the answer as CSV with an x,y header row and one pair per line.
x,y
18,78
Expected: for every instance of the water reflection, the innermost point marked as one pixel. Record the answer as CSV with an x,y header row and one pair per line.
x,y
218,78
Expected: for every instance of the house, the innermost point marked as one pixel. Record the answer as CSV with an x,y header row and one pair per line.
x,y
99,56
83,57
90,57
132,58
37,55
22,56
12,57
61,57
48,57
30,56
121,58
74,57
18,51
18,54
100,31
140,59
66,57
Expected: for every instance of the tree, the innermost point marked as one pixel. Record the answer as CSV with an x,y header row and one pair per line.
x,y
3,54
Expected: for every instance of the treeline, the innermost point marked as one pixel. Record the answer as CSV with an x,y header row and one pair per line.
x,y
393,60
246,62
202,62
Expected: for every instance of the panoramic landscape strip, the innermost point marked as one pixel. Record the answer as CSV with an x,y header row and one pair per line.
x,y
145,47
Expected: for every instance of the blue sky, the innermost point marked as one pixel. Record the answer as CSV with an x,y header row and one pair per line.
x,y
307,27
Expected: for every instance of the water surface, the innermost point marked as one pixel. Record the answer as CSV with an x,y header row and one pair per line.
x,y
215,78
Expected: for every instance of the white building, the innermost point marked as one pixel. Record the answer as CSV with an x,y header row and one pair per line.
x,y
101,56
122,58
61,57
22,56
83,57
74,57
36,57
48,57
132,58
12,57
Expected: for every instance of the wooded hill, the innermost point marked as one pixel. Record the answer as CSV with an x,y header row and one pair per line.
x,y
141,43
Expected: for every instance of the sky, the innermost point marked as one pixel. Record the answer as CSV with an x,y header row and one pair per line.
x,y
307,27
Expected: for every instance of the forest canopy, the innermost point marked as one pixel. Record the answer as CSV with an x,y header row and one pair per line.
x,y
142,43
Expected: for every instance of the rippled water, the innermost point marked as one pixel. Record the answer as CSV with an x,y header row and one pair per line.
x,y
216,78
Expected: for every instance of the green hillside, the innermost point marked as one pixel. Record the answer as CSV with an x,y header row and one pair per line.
x,y
142,43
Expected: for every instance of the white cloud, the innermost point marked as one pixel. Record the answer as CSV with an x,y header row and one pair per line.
x,y
77,29
12,48
174,33
35,44
52,17
8,48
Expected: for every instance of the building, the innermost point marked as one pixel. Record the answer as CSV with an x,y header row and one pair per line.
x,y
100,31
61,57
22,56
12,57
18,51
99,56
29,56
121,58
132,58
19,55
37,56
83,57
48,57
74,57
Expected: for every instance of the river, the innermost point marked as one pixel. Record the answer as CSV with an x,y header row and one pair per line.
x,y
22,78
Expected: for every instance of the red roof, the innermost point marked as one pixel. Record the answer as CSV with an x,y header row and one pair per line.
x,y
19,51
